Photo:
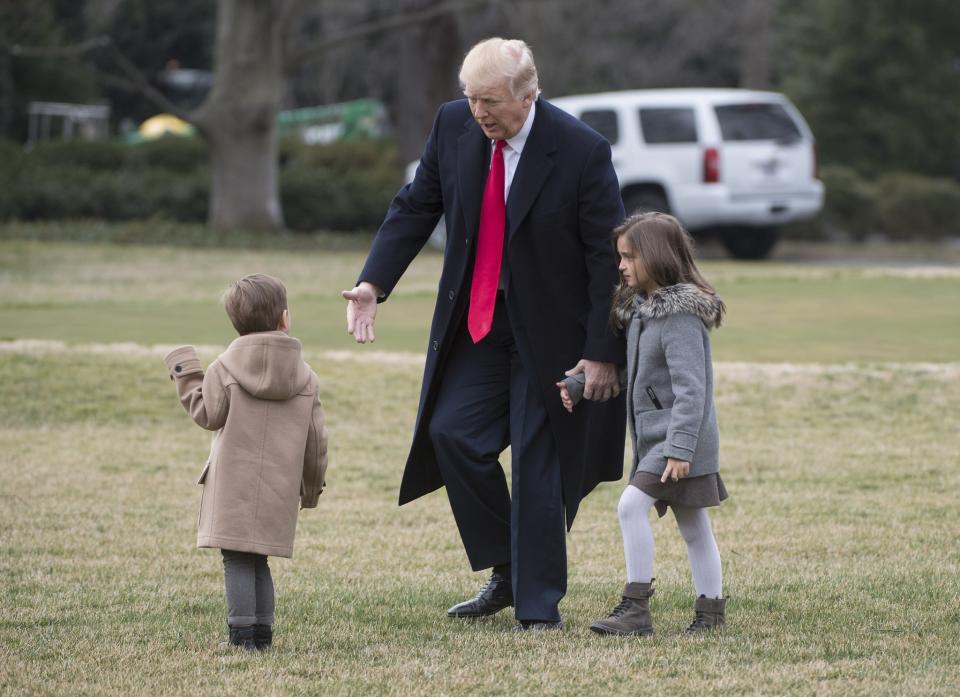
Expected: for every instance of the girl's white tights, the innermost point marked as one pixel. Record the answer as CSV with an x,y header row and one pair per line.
x,y
694,524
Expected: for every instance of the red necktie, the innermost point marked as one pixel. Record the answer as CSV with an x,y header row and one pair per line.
x,y
486,267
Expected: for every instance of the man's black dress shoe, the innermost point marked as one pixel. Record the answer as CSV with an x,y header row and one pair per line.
x,y
537,625
495,595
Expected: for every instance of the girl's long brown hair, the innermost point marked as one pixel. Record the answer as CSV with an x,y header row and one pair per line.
x,y
666,251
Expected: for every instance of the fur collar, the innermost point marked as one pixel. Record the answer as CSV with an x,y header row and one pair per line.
x,y
683,298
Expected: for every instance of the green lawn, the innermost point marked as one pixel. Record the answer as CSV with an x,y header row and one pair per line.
x,y
83,293
837,390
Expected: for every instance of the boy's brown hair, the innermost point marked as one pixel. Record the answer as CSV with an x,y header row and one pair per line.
x,y
255,303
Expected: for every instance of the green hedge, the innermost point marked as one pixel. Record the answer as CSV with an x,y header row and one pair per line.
x,y
911,206
349,185
42,193
344,186
896,205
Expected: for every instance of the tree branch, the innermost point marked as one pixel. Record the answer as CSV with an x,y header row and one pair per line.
x,y
117,82
133,79
135,76
60,51
318,48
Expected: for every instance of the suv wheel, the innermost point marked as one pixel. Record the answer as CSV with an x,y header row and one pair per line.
x,y
750,242
643,200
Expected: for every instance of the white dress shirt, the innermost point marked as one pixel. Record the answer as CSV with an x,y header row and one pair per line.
x,y
513,150
511,158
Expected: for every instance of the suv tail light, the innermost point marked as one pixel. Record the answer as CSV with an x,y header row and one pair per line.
x,y
711,166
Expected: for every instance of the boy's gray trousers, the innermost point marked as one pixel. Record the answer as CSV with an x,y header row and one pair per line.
x,y
249,587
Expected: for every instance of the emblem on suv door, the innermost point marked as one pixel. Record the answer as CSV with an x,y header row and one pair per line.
x,y
770,167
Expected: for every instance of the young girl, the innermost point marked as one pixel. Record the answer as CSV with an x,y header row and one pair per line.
x,y
667,309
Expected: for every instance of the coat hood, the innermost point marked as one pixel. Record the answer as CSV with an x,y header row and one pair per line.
x,y
268,365
683,298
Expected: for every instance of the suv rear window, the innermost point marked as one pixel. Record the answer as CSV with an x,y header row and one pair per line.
x,y
604,122
756,122
668,125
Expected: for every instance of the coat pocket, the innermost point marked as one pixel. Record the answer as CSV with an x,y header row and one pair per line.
x,y
652,394
652,426
203,492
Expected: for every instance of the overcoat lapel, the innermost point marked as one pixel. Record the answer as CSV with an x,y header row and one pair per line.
x,y
473,150
532,171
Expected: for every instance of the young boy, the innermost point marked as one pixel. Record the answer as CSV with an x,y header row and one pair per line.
x,y
269,449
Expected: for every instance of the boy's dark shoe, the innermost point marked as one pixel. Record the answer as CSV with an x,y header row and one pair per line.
x,y
243,637
710,613
537,625
632,616
496,594
263,636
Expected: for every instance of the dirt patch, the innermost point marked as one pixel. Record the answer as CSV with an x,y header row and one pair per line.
x,y
740,372
43,346
784,373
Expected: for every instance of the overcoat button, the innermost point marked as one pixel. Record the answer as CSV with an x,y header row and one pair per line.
x,y
451,295
436,345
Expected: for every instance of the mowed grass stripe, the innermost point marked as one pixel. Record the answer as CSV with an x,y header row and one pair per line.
x,y
150,294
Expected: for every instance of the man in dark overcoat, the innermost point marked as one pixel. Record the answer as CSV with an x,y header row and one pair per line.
x,y
530,197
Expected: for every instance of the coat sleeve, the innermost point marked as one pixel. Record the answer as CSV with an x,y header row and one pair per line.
x,y
410,220
683,346
601,210
314,458
204,396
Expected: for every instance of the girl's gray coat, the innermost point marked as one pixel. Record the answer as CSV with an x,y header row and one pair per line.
x,y
669,361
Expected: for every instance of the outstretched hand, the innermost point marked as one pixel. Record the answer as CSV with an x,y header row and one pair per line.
x,y
361,311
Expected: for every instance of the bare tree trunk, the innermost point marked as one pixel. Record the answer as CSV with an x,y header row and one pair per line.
x,y
239,116
757,45
245,183
428,60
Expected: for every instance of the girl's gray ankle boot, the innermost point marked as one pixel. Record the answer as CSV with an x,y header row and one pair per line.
x,y
710,613
632,616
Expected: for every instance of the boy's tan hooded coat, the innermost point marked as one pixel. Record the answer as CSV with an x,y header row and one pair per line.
x,y
269,451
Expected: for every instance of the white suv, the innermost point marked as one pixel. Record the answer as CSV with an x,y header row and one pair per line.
x,y
737,162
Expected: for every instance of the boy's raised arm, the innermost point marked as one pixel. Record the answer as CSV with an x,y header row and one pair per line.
x,y
314,459
204,397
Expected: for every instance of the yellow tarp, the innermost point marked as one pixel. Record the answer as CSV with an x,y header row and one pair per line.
x,y
164,125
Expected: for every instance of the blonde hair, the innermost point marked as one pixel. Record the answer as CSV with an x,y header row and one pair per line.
x,y
494,61
255,303
665,248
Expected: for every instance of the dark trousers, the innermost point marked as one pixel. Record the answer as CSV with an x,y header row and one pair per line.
x,y
249,586
489,399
